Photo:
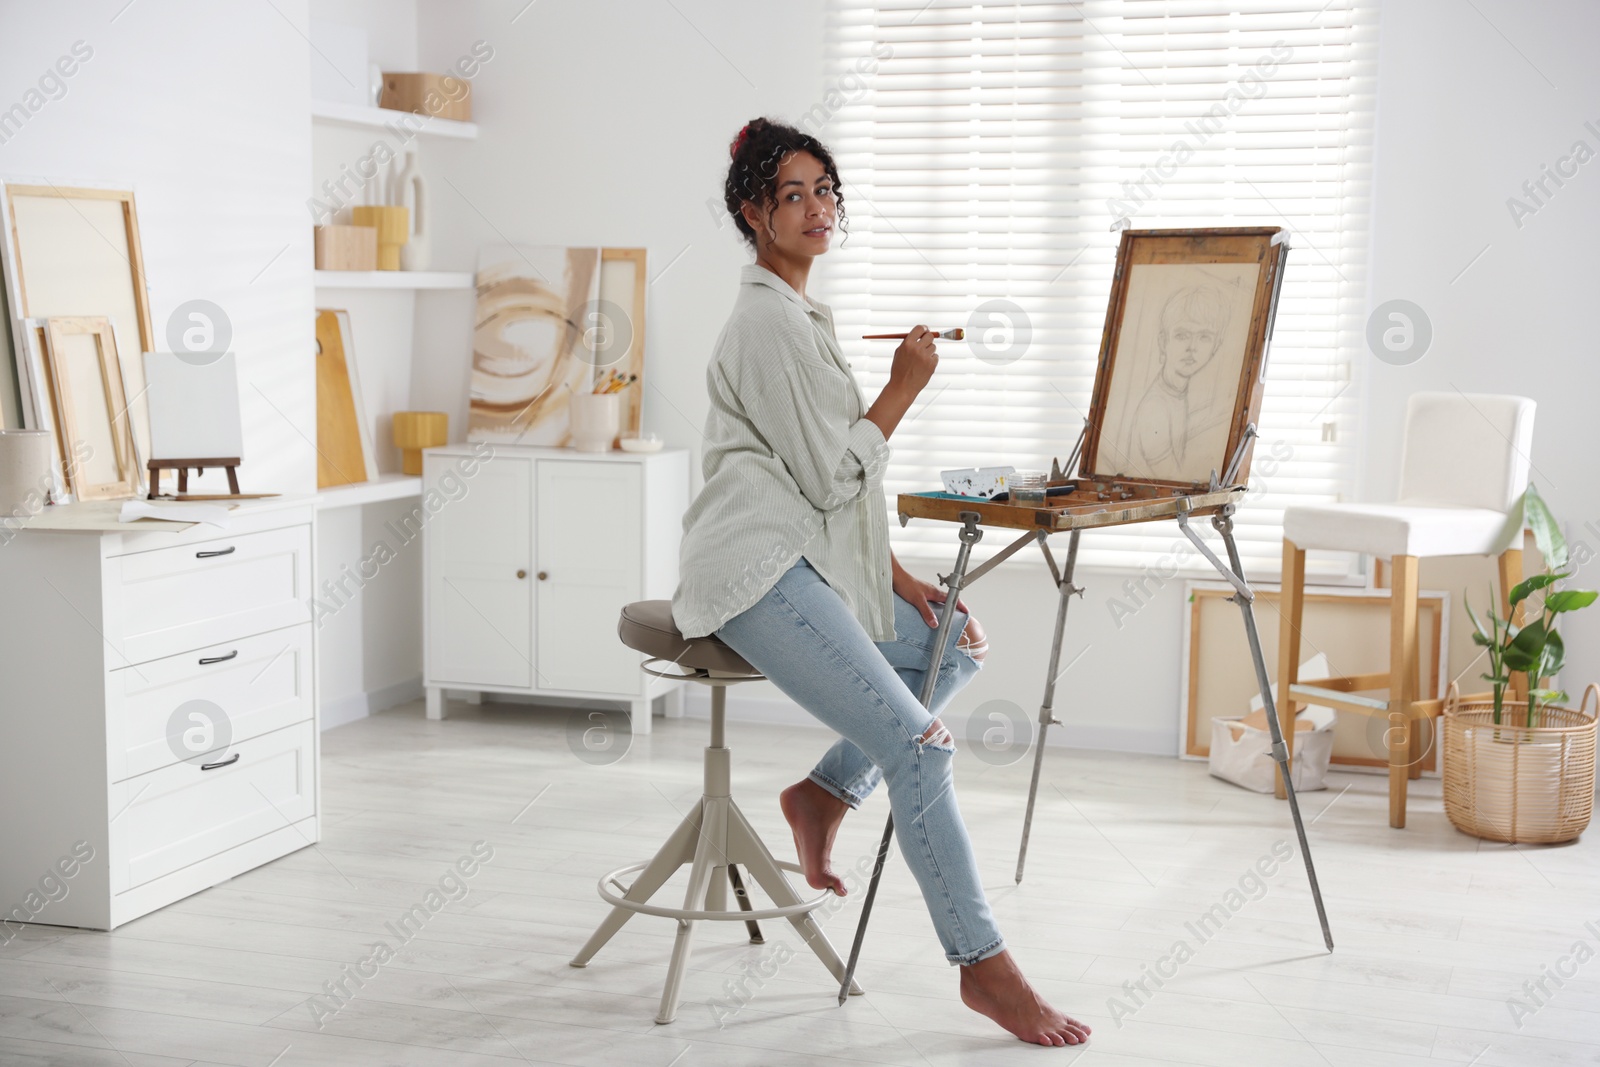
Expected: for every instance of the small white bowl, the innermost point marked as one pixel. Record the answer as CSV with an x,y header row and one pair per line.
x,y
642,444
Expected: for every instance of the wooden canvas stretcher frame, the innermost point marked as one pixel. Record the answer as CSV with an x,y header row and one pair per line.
x,y
116,279
1102,496
1201,704
100,410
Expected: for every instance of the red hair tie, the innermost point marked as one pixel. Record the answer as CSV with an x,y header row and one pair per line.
x,y
738,142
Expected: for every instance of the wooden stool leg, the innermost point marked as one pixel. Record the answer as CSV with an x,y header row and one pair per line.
x,y
1402,680
1510,577
1291,612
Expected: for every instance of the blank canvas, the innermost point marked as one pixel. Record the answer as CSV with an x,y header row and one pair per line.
x,y
75,251
194,409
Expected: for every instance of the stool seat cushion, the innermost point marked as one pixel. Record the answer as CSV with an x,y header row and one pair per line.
x,y
1387,530
647,625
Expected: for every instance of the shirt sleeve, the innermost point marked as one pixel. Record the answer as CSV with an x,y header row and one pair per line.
x,y
801,406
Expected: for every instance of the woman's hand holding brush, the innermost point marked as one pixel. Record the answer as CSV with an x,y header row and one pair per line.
x,y
914,363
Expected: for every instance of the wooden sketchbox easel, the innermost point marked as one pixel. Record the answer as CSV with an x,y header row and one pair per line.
x,y
1175,298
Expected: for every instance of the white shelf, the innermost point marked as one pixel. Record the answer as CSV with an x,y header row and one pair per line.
x,y
393,279
379,117
387,487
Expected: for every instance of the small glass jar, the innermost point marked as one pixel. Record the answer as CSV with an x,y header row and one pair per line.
x,y
1027,488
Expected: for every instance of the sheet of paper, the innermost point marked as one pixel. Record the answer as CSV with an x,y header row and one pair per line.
x,y
174,511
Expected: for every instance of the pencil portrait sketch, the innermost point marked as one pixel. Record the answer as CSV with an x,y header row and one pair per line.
x,y
1175,378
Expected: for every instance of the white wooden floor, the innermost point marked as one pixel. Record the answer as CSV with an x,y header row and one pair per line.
x,y
1436,931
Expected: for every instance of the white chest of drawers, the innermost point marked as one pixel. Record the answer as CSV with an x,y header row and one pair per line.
x,y
158,712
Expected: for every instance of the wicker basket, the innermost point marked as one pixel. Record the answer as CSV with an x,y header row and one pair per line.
x,y
1512,782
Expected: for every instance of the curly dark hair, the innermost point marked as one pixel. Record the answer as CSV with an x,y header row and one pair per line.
x,y
756,152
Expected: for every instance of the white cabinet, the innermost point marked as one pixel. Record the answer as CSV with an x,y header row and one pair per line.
x,y
530,554
158,708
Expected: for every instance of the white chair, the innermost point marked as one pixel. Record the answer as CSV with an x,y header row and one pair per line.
x,y
1463,469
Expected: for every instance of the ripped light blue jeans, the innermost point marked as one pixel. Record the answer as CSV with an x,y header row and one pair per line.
x,y
804,638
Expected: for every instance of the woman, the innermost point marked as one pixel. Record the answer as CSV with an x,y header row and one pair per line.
x,y
786,559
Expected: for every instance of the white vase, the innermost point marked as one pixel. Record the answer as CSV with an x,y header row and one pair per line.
x,y
24,472
596,418
413,193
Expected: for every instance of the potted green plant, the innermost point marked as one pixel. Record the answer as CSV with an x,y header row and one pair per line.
x,y
1523,770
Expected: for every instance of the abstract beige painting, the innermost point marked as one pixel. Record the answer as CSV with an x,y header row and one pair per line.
x,y
531,348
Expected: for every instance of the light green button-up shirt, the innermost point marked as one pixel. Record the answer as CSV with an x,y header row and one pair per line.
x,y
791,468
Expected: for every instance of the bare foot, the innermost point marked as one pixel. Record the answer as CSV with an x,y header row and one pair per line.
x,y
995,987
814,816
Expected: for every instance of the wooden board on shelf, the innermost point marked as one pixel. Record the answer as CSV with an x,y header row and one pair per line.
x,y
344,441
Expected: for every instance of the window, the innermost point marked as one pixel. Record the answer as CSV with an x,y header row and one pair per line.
x,y
985,152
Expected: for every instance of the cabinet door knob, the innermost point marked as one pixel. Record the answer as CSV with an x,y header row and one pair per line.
x,y
543,575
522,574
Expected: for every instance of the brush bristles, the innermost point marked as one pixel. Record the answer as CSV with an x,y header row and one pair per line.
x,y
957,334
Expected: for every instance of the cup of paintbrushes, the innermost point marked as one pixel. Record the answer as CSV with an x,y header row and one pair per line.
x,y
596,418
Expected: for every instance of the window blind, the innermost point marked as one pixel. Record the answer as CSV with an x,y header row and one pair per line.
x,y
985,151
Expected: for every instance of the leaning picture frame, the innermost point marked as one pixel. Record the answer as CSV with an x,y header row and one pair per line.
x,y
70,248
91,407
37,401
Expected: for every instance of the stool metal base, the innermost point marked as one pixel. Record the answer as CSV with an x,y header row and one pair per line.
x,y
711,838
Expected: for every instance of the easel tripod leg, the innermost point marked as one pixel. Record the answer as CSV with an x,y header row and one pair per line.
x,y
970,535
1280,751
1046,714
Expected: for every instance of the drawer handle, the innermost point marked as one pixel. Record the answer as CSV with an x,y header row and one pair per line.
x,y
217,552
221,763
206,661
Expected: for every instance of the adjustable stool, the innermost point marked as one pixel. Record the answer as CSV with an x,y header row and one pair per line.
x,y
715,836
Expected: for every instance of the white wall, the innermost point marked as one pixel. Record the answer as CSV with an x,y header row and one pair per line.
x,y
201,109
1473,99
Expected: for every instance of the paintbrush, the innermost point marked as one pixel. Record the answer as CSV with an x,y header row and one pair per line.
x,y
956,334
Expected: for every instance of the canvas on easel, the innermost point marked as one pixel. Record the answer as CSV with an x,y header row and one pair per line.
x,y
1177,389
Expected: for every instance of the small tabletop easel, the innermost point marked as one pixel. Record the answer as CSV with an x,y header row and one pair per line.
x,y
1150,450
184,466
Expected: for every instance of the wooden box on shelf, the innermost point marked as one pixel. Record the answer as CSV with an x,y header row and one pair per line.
x,y
347,247
439,95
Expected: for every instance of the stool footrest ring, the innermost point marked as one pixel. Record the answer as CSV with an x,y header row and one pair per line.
x,y
690,915
700,674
